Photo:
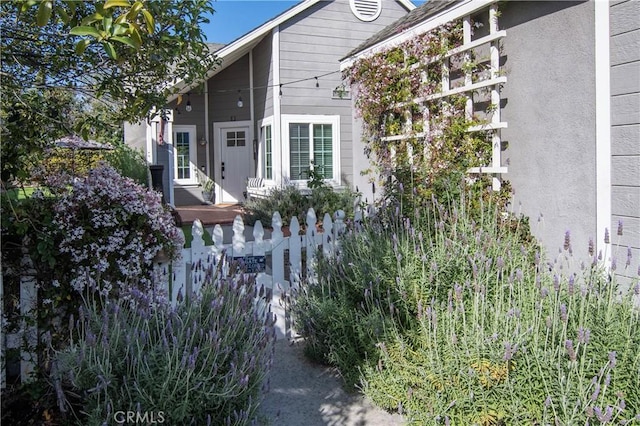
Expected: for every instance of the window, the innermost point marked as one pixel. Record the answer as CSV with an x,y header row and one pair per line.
x,y
313,142
184,157
268,153
236,138
299,152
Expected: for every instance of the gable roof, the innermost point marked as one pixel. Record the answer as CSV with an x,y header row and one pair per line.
x,y
243,44
420,20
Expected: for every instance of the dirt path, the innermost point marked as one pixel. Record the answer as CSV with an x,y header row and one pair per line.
x,y
304,393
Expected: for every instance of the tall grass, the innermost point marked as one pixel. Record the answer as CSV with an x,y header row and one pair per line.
x,y
456,317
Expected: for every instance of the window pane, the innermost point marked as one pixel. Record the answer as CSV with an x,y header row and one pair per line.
x,y
323,149
268,154
183,169
299,154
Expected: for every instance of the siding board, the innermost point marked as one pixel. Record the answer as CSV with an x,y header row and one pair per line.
x,y
630,233
625,140
625,200
625,170
625,109
624,17
625,78
625,47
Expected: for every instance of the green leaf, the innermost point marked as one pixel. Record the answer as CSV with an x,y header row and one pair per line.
x,y
107,22
111,51
116,3
148,19
126,40
44,13
85,30
94,17
81,46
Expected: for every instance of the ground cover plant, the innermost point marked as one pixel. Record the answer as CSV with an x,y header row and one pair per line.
x,y
454,316
203,362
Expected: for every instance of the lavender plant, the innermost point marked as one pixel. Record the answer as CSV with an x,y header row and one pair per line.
x,y
204,362
454,318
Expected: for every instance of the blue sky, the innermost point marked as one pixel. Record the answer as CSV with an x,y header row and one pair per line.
x,y
234,18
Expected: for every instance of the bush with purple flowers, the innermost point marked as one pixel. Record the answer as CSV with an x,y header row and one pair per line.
x,y
112,228
203,362
455,318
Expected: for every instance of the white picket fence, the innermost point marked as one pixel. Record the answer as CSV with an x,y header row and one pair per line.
x,y
187,274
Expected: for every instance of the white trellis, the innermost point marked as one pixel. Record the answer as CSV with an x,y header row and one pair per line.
x,y
492,83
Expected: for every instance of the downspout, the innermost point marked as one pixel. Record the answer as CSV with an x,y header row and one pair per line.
x,y
603,126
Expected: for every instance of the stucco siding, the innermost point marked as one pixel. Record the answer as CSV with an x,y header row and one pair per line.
x,y
549,98
625,132
311,44
135,134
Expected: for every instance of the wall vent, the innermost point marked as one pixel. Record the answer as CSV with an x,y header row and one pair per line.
x,y
366,10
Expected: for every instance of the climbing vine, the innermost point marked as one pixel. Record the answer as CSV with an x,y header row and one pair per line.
x,y
419,147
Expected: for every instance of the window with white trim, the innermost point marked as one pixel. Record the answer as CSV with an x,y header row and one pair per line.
x,y
184,154
313,142
267,169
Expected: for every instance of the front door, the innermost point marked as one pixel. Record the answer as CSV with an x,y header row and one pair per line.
x,y
235,162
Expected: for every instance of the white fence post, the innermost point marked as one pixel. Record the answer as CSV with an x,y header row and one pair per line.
x,y
277,250
295,253
310,240
238,242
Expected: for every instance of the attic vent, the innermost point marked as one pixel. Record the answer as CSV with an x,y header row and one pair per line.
x,y
366,10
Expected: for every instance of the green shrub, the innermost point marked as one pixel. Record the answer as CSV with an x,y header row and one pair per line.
x,y
129,162
202,362
455,317
289,201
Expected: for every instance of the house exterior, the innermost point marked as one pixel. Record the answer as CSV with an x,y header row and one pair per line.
x,y
565,84
273,106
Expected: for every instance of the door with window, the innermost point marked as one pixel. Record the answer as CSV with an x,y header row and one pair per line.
x,y
236,159
184,155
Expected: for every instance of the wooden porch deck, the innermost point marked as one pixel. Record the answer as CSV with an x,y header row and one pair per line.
x,y
222,214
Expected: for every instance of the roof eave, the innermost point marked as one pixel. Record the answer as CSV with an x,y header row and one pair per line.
x,y
246,41
456,11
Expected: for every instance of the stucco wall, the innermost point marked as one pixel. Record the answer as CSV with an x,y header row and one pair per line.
x,y
624,46
549,60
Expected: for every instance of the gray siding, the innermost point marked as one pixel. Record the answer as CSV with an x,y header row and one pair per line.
x,y
312,44
550,108
625,130
223,93
195,117
263,79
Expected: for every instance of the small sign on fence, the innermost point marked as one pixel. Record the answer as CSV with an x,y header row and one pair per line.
x,y
253,264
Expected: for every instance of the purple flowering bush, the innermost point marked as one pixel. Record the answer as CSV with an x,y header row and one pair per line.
x,y
452,317
202,362
112,228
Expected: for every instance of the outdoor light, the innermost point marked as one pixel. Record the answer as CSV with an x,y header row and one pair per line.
x,y
240,103
203,141
188,106
317,84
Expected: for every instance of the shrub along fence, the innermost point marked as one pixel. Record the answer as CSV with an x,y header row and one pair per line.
x,y
278,261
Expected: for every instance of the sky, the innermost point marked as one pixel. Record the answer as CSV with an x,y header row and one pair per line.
x,y
234,18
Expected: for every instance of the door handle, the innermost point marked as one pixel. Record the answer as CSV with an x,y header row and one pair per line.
x,y
222,170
